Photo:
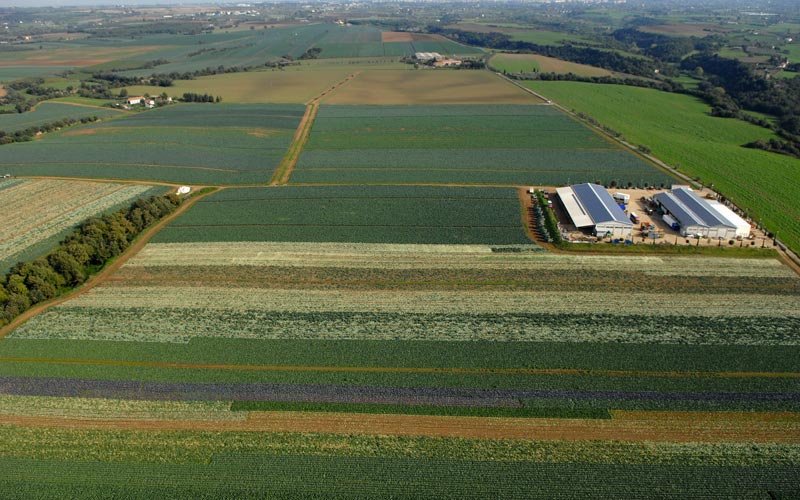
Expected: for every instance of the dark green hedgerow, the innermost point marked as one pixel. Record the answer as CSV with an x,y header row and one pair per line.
x,y
86,250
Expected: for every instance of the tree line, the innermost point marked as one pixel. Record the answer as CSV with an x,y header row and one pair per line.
x,y
87,249
584,55
29,133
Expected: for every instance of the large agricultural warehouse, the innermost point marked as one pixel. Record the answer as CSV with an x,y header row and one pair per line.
x,y
698,216
590,206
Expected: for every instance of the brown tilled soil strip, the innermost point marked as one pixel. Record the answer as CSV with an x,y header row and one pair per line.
x,y
106,273
381,369
444,426
707,416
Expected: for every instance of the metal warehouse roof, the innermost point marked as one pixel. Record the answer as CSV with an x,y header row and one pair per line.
x,y
690,209
590,204
728,214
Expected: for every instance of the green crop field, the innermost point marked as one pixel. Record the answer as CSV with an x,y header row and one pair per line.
x,y
188,143
356,308
480,144
680,131
479,371
253,48
49,112
376,214
11,73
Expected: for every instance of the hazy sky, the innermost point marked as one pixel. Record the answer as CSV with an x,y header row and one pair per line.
x,y
60,3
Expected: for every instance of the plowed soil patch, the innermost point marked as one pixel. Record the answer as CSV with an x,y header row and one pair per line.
x,y
455,427
396,36
707,416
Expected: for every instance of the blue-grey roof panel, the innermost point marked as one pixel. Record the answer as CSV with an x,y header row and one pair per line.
x,y
600,205
690,209
700,207
685,217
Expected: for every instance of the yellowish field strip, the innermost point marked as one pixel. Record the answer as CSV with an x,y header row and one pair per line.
x,y
291,85
429,86
448,426
100,408
398,256
442,301
43,208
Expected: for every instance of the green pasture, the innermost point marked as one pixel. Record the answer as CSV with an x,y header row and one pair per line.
x,y
187,143
267,474
11,73
680,131
502,62
354,214
49,112
477,144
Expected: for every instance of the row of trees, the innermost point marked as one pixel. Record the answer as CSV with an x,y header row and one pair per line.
x,y
30,132
610,60
24,94
192,97
83,252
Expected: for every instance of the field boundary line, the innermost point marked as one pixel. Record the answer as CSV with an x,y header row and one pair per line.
x,y
380,369
284,171
286,167
106,272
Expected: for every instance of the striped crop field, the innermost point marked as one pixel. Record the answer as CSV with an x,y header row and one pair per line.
x,y
498,144
182,143
369,214
480,370
39,212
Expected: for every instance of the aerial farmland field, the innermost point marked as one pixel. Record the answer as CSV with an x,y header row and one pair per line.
x,y
428,87
187,143
378,214
349,303
49,112
528,63
253,48
381,356
293,84
479,144
37,213
680,131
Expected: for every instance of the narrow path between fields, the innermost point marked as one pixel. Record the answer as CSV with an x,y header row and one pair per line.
x,y
106,272
284,171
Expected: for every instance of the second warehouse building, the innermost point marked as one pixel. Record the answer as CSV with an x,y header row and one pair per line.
x,y
698,216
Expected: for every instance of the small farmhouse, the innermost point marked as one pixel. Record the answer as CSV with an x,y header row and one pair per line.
x,y
130,101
